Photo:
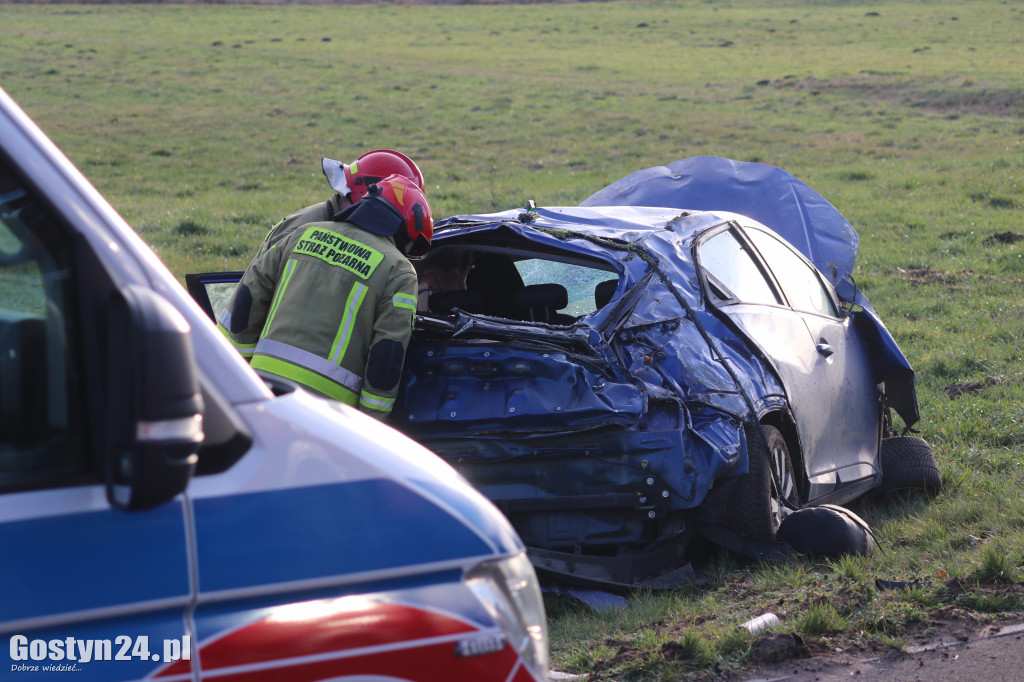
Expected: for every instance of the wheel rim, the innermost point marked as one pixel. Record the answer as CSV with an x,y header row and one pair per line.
x,y
784,495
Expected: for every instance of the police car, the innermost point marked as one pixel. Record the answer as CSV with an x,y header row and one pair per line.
x,y
165,513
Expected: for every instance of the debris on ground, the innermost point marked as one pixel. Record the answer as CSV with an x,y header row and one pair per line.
x,y
918,276
827,532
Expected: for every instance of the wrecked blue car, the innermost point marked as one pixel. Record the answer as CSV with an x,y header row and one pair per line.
x,y
683,355
682,358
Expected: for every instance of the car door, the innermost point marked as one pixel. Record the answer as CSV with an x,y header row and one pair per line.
x,y
817,376
87,588
212,290
850,397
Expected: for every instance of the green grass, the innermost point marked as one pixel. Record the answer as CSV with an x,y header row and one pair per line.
x,y
203,125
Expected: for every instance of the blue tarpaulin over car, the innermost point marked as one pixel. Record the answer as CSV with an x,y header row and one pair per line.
x,y
765,193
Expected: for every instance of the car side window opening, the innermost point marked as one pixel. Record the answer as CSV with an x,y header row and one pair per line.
x,y
799,281
220,294
41,439
728,261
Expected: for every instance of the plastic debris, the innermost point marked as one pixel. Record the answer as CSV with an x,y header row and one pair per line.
x,y
762,622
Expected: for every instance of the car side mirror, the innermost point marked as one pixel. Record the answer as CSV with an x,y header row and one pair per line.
x,y
154,406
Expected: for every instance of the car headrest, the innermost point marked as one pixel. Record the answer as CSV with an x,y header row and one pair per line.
x,y
603,292
550,296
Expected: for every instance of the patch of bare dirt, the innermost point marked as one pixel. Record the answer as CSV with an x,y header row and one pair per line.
x,y
957,390
675,651
1003,238
624,653
962,96
942,639
778,647
917,276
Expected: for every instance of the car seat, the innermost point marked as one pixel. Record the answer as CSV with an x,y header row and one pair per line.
x,y
543,301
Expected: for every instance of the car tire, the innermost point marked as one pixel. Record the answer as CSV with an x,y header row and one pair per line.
x,y
908,463
756,508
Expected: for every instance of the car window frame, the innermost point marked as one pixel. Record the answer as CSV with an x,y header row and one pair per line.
x,y
711,284
519,248
766,266
78,375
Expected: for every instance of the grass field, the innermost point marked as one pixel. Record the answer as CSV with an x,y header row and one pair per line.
x,y
203,125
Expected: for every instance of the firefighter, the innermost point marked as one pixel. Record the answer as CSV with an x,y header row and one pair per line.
x,y
331,306
350,182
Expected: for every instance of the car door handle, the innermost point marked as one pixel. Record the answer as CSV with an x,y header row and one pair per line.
x,y
825,349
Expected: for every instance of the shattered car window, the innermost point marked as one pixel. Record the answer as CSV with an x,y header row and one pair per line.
x,y
726,259
579,281
800,283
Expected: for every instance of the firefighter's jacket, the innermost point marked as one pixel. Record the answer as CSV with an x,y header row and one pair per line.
x,y
331,307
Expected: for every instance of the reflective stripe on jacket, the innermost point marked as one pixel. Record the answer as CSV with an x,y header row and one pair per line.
x,y
311,306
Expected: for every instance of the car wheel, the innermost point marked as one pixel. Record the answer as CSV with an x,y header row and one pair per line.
x,y
758,506
908,463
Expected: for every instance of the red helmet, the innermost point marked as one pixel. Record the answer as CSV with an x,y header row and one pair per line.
x,y
417,219
395,206
374,166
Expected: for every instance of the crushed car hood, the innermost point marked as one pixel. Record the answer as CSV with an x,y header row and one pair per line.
x,y
657,320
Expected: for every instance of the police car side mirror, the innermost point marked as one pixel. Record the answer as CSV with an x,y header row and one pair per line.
x,y
153,403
